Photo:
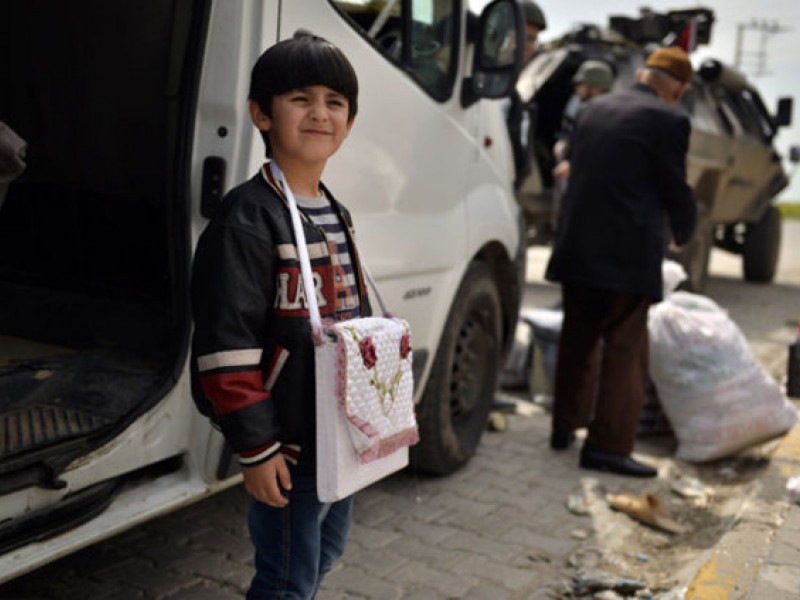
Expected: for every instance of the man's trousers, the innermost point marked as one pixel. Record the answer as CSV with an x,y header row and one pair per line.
x,y
602,366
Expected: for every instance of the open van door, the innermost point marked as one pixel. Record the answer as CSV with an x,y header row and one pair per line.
x,y
95,246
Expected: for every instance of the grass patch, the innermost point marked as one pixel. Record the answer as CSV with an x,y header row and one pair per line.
x,y
790,210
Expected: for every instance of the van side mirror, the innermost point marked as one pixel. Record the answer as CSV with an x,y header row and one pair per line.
x,y
783,117
499,46
794,154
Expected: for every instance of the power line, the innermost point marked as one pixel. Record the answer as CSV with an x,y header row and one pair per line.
x,y
766,29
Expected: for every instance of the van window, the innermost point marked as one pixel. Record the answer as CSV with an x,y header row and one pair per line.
x,y
420,36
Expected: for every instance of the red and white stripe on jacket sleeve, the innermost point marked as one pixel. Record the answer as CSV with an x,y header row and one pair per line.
x,y
233,380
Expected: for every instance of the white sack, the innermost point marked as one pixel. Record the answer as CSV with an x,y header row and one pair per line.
x,y
672,275
717,397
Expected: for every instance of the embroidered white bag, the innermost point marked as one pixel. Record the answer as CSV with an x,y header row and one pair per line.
x,y
365,406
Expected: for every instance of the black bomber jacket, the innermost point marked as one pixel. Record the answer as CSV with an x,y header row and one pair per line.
x,y
252,361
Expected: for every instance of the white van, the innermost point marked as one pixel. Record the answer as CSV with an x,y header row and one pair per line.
x,y
135,115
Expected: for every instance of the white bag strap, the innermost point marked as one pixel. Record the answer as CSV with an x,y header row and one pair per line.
x,y
302,253
305,262
384,311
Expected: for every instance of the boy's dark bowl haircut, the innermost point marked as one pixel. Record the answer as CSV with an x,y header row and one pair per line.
x,y
299,62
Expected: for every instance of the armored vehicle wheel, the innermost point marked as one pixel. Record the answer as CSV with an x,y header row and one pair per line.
x,y
762,243
455,405
696,255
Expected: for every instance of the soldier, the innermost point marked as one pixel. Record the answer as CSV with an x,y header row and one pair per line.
x,y
594,77
518,117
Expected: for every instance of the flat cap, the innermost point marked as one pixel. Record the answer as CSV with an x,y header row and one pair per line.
x,y
673,61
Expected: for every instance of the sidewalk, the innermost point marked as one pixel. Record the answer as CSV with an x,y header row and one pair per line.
x,y
501,528
759,558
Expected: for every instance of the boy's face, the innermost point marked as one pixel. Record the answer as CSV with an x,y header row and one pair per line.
x,y
307,126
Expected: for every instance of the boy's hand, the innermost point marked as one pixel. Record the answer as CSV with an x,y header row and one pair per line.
x,y
262,481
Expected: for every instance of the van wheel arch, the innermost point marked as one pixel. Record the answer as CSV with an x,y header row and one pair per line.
x,y
455,404
509,277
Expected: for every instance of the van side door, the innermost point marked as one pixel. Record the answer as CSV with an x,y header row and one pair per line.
x,y
402,171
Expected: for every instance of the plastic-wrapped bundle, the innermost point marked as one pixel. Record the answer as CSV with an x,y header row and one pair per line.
x,y
717,397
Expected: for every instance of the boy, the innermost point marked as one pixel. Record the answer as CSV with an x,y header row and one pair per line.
x,y
252,354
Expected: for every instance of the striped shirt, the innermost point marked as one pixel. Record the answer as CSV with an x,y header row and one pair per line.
x,y
321,213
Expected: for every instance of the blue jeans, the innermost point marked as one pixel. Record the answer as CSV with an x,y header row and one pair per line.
x,y
296,545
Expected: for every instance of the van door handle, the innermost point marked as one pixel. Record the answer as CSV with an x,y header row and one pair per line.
x,y
213,185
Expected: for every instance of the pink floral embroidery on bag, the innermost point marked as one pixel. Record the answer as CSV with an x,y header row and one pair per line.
x,y
405,345
368,353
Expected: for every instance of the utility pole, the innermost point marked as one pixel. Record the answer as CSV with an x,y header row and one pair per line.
x,y
766,29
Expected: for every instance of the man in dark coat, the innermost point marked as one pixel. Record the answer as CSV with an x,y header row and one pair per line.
x,y
628,180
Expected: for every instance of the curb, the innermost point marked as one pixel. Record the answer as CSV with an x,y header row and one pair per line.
x,y
734,567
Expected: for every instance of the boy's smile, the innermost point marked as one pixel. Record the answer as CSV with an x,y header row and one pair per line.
x,y
307,125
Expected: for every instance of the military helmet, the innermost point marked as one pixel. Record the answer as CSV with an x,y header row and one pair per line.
x,y
534,14
595,74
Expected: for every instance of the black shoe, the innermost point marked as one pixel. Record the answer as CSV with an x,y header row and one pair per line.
x,y
622,464
560,440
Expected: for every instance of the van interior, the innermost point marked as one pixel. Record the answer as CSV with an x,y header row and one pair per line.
x,y
94,231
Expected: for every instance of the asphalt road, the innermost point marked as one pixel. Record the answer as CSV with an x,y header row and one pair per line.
x,y
496,529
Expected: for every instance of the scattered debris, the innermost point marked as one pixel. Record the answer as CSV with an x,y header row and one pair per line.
x,y
42,374
676,594
505,404
498,421
578,505
642,557
647,509
589,584
793,488
543,400
527,409
607,595
727,473
692,488
579,534
540,557
586,558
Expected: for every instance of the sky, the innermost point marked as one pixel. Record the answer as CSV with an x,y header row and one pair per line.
x,y
782,49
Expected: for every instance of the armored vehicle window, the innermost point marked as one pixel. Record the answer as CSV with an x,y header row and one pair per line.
x,y
741,103
727,114
420,36
751,102
701,107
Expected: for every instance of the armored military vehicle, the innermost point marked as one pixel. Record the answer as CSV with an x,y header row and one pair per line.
x,y
733,166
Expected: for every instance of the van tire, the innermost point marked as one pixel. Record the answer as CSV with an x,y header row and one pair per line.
x,y
762,244
454,409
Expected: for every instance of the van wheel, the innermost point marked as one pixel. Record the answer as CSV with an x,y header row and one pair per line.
x,y
762,244
455,405
695,256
